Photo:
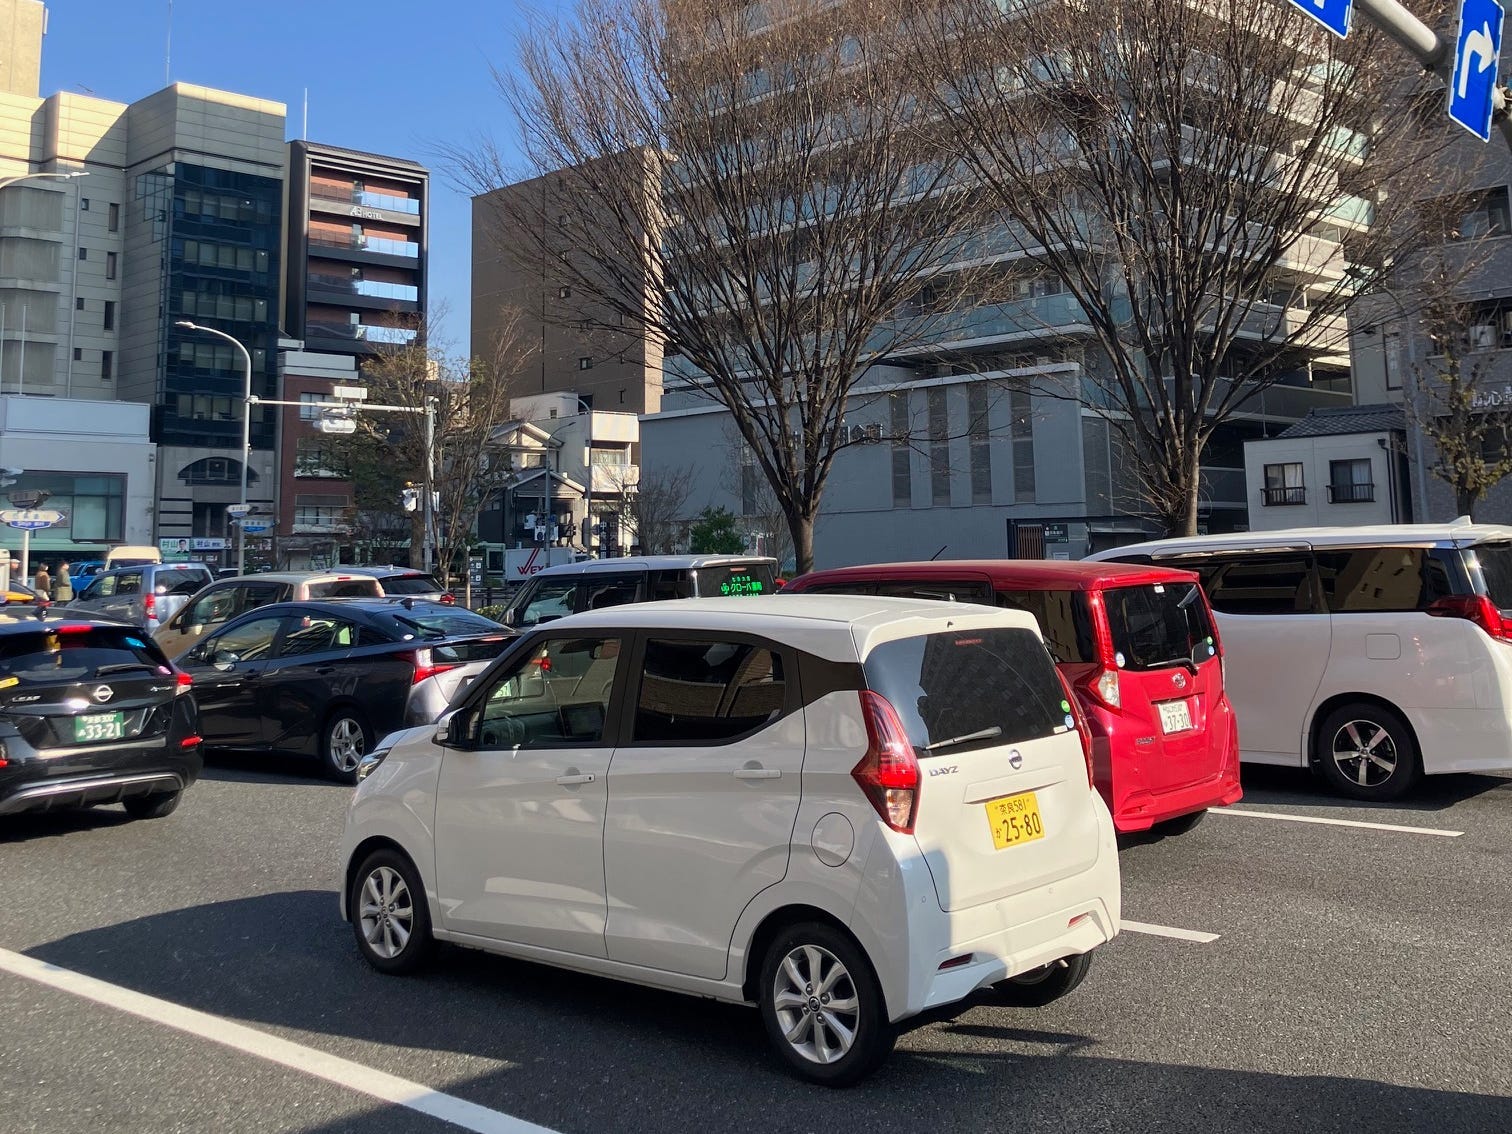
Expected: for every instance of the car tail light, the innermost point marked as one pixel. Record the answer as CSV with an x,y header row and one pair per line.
x,y
1475,608
149,605
889,772
1083,729
449,599
183,682
426,665
1105,688
191,741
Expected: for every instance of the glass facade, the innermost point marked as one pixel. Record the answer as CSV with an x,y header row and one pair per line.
x,y
222,235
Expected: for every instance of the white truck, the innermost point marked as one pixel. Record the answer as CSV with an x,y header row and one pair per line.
x,y
520,563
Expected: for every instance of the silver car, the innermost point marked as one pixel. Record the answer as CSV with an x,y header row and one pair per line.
x,y
145,595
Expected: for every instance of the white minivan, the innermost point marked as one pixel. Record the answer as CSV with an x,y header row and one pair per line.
x,y
1372,654
846,810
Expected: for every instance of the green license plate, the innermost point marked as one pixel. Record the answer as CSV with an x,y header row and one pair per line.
x,y
99,726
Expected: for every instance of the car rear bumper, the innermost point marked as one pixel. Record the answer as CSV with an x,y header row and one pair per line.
x,y
87,791
1135,806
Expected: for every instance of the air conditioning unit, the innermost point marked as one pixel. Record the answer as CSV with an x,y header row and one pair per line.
x,y
1483,336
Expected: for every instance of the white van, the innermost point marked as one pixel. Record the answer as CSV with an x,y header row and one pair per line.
x,y
128,555
1373,654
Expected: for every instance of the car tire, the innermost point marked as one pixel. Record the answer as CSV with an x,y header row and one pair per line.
x,y
801,961
344,740
390,917
1366,751
1182,823
154,806
1043,985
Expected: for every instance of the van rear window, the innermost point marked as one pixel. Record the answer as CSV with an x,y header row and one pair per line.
x,y
1159,626
1495,561
969,689
737,580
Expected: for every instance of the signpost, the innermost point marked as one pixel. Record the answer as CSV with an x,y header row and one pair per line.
x,y
253,526
1332,14
1473,84
29,520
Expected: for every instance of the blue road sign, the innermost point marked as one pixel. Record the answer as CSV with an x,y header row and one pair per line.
x,y
1473,82
1332,14
250,527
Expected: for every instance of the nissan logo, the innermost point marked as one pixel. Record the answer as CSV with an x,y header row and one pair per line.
x,y
1015,759
1179,680
103,693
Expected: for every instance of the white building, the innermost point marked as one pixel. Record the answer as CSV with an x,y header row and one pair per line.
x,y
1334,468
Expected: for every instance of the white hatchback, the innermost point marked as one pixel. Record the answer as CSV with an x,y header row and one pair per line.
x,y
847,810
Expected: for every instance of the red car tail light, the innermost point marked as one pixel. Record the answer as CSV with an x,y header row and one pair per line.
x,y
149,604
889,772
1083,729
427,666
449,599
183,682
1474,608
1105,688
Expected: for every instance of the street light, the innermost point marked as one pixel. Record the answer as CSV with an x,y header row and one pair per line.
x,y
241,534
6,182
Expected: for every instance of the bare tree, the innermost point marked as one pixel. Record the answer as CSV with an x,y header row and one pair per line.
x,y
655,507
472,397
751,187
1210,185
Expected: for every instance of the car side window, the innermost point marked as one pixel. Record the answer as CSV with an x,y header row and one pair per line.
x,y
952,590
251,641
1380,579
556,696
253,595
128,583
552,599
316,634
103,587
600,591
706,692
1267,583
216,607
667,585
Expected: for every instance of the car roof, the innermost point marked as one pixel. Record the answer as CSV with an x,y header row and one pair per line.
x,y
654,563
290,577
385,572
1459,533
1031,574
138,567
841,627
14,621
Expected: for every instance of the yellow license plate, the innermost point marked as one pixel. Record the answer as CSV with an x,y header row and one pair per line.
x,y
1014,819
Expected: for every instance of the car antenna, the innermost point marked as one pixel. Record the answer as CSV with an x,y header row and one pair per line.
x,y
939,553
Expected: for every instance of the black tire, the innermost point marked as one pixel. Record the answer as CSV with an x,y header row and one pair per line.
x,y
1182,823
394,902
1390,765
1044,985
872,1035
344,728
154,806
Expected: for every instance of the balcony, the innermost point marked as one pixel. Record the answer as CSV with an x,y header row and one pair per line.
x,y
361,333
344,290
1351,493
372,245
341,199
1282,497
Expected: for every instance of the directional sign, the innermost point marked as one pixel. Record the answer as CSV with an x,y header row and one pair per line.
x,y
1474,78
249,527
1332,14
31,519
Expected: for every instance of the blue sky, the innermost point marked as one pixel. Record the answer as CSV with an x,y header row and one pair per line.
x,y
390,76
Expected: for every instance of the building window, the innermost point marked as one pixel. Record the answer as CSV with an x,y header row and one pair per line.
x,y
107,365
1283,485
1020,408
564,293
216,470
79,304
78,354
110,265
981,445
585,363
309,412
109,320
939,448
115,218
84,204
1349,482
327,515
83,253
902,452
317,457
1485,217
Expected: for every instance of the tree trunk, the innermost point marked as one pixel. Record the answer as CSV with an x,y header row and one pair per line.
x,y
1466,500
802,530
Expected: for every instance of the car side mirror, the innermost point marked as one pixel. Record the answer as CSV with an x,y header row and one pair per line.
x,y
443,735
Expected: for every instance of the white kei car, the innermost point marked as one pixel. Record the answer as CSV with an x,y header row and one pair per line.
x,y
847,810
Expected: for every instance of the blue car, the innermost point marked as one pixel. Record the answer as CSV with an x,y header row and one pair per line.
x,y
83,573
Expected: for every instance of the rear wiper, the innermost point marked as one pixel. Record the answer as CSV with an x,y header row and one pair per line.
x,y
980,734
1185,663
430,631
124,667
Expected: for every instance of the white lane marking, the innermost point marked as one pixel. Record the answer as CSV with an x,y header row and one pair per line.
x,y
1337,822
1169,931
297,1057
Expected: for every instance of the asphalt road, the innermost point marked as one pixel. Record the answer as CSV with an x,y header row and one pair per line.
x,y
1360,981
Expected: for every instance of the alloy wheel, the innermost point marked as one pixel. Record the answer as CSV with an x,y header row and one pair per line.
x,y
346,744
1365,753
817,1005
386,913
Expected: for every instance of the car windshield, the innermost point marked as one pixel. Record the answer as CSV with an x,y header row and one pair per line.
x,y
970,689
1159,625
52,655
411,585
1495,562
737,580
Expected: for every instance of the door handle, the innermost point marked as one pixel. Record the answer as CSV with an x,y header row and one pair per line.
x,y
757,773
575,778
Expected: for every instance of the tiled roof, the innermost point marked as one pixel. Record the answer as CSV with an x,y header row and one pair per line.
x,y
1382,417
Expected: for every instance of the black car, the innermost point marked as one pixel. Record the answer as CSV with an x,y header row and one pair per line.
x,y
329,679
91,712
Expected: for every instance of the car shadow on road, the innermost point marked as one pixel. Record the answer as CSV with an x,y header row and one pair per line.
x,y
578,1053
1263,784
266,767
53,824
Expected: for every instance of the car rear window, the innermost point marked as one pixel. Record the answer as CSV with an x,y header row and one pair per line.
x,y
970,689
411,585
1495,562
344,588
1158,625
53,655
442,623
737,580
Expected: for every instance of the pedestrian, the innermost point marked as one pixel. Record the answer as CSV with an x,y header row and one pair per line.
x,y
42,583
63,584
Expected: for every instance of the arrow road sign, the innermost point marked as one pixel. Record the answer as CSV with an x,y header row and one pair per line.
x,y
249,527
1332,14
31,519
1475,57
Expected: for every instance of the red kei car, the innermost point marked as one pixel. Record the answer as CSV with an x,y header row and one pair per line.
x,y
1138,646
